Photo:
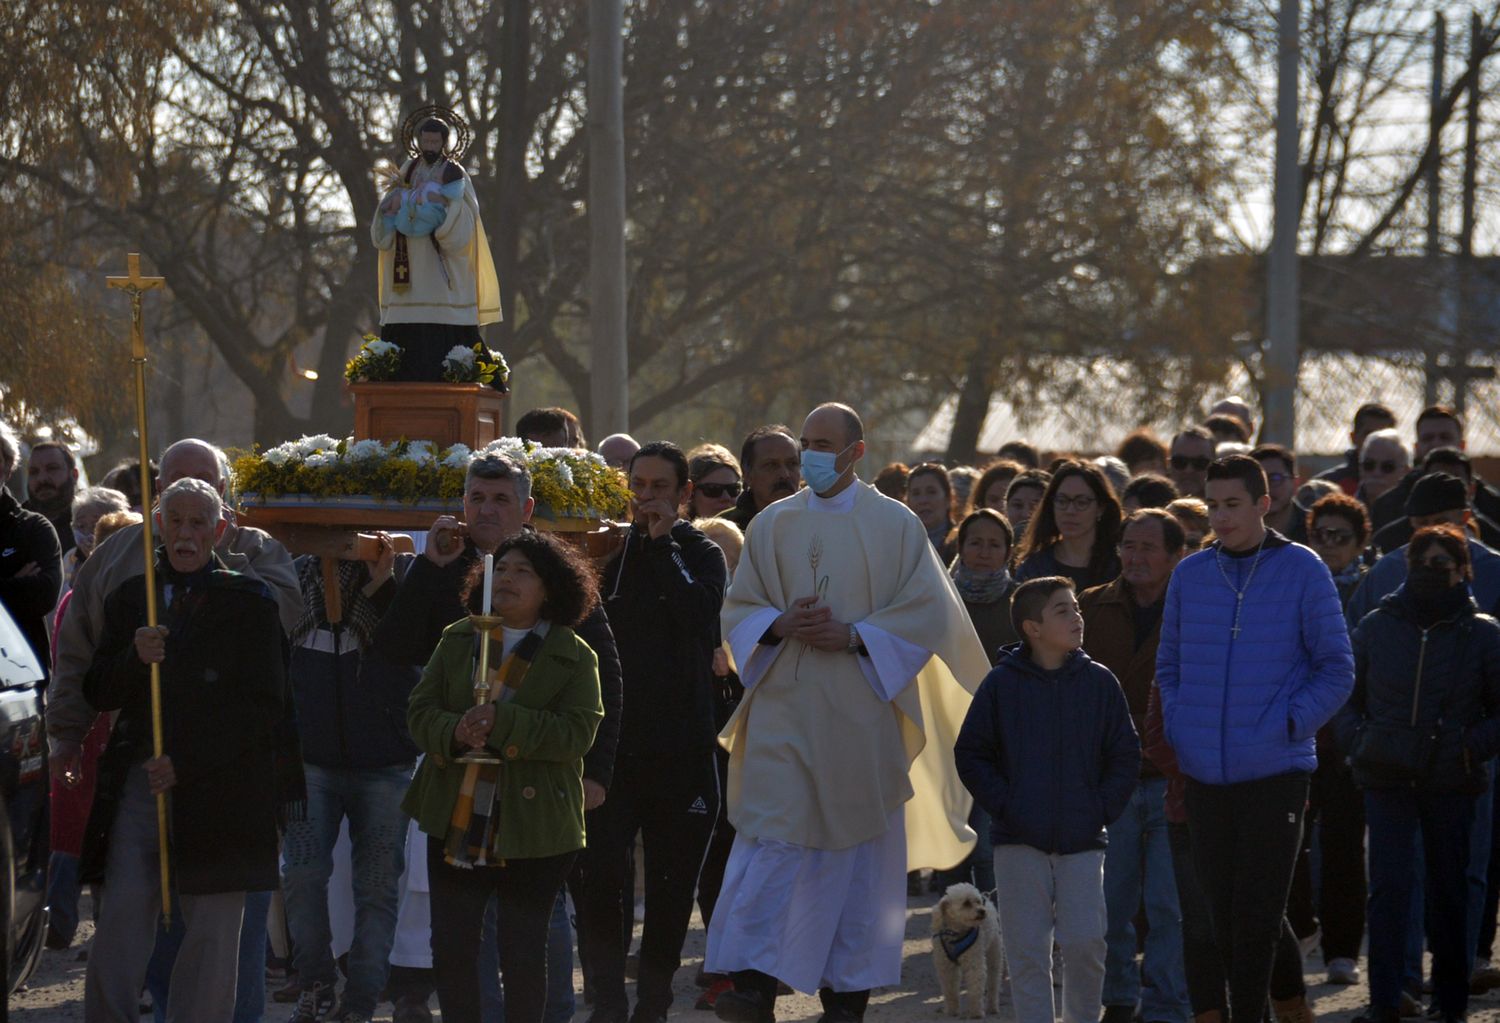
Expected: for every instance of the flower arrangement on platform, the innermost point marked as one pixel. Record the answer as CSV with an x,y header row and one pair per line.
x,y
471,366
376,360
569,483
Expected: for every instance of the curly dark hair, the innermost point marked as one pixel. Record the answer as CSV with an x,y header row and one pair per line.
x,y
568,578
1340,505
1447,536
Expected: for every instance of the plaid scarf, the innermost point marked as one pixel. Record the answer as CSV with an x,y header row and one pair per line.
x,y
360,615
473,830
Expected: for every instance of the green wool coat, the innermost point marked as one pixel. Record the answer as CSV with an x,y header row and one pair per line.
x,y
540,734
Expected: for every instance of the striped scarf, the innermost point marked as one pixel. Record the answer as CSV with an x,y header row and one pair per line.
x,y
473,831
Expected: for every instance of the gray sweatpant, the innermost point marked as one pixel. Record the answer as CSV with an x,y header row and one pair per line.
x,y
1038,894
203,978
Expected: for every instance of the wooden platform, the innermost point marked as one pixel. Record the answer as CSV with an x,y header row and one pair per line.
x,y
446,414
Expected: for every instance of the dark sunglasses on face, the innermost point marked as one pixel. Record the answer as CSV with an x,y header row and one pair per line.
x,y
1371,465
1332,537
1441,562
1181,462
717,490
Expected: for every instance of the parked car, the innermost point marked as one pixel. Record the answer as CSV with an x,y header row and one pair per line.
x,y
23,800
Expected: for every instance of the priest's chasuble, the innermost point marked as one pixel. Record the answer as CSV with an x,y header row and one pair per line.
x,y
469,292
825,748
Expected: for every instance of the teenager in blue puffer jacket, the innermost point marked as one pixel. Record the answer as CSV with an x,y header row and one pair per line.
x,y
1254,658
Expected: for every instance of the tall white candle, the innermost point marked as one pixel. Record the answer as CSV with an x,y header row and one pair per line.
x,y
489,579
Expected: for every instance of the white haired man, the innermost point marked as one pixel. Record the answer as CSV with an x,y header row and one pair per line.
x,y
222,657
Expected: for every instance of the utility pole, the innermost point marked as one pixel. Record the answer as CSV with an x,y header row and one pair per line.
x,y
1435,204
609,374
1279,390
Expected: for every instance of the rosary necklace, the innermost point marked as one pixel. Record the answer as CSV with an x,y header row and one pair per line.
x,y
1239,595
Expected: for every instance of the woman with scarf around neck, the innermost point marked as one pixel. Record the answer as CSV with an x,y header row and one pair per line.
x,y
981,576
1424,716
511,829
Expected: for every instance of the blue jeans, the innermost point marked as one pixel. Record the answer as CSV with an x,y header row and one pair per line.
x,y
1444,822
63,893
250,985
371,799
560,996
1138,865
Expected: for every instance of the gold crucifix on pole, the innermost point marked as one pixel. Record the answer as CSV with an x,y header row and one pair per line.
x,y
135,286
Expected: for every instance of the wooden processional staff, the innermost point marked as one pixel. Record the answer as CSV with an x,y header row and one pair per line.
x,y
135,286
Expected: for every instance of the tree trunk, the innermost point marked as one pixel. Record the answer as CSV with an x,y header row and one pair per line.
x,y
510,178
973,407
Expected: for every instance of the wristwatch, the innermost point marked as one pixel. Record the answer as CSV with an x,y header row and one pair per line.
x,y
854,643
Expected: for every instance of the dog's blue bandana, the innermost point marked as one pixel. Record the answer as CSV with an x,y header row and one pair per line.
x,y
956,944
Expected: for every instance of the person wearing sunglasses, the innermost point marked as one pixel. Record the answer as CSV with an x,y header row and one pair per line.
x,y
1338,528
1383,461
1421,729
1368,418
1455,463
715,475
1075,530
1281,483
1187,462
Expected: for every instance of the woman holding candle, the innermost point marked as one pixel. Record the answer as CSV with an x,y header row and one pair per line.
x,y
512,828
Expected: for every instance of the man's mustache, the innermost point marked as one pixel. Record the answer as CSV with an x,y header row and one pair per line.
x,y
782,486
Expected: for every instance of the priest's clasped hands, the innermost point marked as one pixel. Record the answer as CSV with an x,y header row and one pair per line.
x,y
473,729
807,622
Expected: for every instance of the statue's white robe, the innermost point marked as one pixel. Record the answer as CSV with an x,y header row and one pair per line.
x,y
841,773
472,297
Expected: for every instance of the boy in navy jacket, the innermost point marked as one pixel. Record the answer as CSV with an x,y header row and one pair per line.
x,y
1048,749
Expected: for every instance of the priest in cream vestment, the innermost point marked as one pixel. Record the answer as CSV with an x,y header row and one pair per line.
x,y
858,661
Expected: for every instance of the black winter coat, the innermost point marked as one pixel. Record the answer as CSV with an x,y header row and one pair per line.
x,y
224,692
1447,674
664,597
428,602
26,537
1051,756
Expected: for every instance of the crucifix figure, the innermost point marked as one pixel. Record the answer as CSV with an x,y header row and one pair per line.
x,y
136,285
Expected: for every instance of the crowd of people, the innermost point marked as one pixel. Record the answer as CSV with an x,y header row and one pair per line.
x,y
1186,712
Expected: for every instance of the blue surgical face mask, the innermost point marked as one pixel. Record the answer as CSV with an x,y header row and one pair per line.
x,y
819,469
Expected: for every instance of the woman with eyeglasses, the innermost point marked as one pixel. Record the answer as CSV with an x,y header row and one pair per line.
x,y
1075,529
1338,527
1423,719
715,475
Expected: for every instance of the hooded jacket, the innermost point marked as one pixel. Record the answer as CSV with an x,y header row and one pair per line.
x,y
1445,675
1050,755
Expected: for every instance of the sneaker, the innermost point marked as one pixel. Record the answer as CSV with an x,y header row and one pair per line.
x,y
1309,944
1411,1007
314,1005
1343,971
1485,978
706,1000
288,992
1118,1014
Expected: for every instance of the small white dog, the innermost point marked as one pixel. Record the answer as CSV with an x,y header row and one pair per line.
x,y
966,950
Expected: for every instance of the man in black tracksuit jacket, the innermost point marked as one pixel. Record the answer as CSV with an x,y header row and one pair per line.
x,y
663,591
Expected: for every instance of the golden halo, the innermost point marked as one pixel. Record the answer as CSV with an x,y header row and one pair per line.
x,y
460,133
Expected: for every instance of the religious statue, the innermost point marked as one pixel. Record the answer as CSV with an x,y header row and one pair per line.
x,y
437,283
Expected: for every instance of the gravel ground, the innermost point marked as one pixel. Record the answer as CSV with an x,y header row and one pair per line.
x,y
55,993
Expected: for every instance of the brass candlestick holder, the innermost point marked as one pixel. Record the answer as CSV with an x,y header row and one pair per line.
x,y
483,625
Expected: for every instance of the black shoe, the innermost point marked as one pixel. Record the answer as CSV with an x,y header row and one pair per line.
x,y
602,1015
1118,1014
843,1006
55,940
737,1006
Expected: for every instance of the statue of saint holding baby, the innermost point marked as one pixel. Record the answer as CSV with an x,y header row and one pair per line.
x,y
437,278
